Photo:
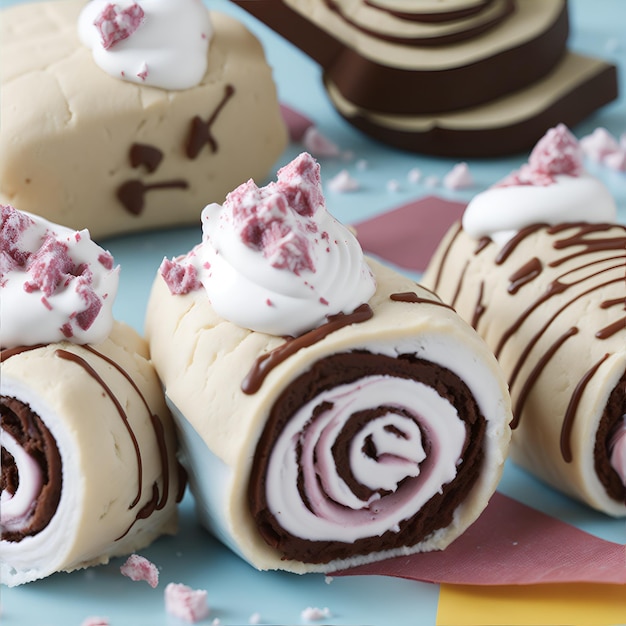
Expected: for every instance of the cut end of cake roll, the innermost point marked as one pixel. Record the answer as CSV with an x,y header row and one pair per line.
x,y
89,468
377,429
543,283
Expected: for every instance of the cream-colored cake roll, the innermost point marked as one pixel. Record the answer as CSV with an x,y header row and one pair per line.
x,y
137,129
538,268
374,424
89,468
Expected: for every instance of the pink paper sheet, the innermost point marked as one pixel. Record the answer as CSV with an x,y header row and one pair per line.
x,y
512,544
408,235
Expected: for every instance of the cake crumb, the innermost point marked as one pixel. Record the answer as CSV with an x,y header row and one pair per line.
x,y
343,182
95,621
312,614
458,177
255,618
393,185
414,175
318,144
186,603
139,568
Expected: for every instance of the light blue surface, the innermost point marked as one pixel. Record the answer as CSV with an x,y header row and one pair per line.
x,y
236,591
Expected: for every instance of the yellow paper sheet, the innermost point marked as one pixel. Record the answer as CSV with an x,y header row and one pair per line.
x,y
544,605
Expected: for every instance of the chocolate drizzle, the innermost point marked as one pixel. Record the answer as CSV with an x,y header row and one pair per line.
x,y
132,193
572,408
267,362
586,263
412,297
200,133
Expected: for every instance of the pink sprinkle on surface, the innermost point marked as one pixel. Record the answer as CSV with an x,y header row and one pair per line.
x,y
186,603
458,177
143,74
264,217
139,568
45,302
180,278
116,24
557,152
318,144
95,621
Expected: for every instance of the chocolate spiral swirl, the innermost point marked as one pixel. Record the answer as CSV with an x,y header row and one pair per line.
x,y
364,451
31,471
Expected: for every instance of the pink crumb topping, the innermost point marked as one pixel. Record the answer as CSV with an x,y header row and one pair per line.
x,y
181,278
186,603
558,152
13,224
139,568
116,24
264,217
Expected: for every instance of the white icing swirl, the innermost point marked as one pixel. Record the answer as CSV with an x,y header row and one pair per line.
x,y
56,283
500,212
275,261
332,510
617,448
167,47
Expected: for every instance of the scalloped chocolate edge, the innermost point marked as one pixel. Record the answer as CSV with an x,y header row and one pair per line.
x,y
376,86
509,125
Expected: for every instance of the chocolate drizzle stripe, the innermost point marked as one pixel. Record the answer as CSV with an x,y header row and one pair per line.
x,y
445,255
525,274
536,372
452,37
572,408
7,353
479,308
200,131
267,362
412,298
509,247
529,346
75,358
611,329
157,424
553,289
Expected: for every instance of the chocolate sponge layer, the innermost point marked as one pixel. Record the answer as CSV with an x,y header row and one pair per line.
x,y
349,367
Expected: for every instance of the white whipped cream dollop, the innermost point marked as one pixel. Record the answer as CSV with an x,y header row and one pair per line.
x,y
273,259
552,188
56,283
161,43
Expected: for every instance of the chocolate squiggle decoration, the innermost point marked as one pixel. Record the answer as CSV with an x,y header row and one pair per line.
x,y
200,133
574,242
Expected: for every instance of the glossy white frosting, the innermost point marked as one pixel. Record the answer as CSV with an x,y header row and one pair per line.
x,y
168,49
299,269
